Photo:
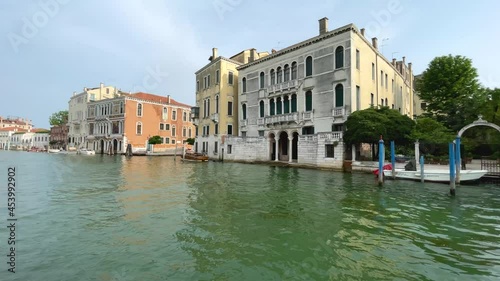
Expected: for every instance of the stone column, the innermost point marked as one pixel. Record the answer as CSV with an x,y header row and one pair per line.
x,y
277,139
417,152
353,152
282,104
290,141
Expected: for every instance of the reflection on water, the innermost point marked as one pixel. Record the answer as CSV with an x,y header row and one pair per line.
x,y
153,218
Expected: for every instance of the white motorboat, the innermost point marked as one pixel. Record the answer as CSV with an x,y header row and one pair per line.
x,y
54,151
86,152
436,175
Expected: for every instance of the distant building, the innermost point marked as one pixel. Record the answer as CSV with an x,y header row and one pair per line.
x,y
133,119
217,107
59,136
21,139
6,134
15,122
419,106
77,112
293,103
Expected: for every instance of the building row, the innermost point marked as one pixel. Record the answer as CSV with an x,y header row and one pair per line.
x,y
107,120
290,105
16,138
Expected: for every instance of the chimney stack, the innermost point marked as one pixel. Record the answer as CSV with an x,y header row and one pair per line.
x,y
394,62
214,53
323,26
168,97
363,32
404,60
375,43
102,85
273,51
409,65
85,89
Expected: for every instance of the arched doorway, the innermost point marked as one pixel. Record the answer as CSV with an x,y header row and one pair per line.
x,y
102,146
115,146
283,146
295,146
272,147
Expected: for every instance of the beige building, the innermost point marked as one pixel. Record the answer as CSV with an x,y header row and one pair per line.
x,y
16,122
216,111
419,105
77,113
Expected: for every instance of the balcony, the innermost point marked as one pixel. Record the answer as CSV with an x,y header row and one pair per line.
x,y
215,117
308,116
288,85
244,122
338,112
288,117
261,121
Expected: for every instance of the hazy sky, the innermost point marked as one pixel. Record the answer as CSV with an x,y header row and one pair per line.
x,y
51,48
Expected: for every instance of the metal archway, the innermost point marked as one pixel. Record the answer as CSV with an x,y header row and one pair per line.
x,y
479,122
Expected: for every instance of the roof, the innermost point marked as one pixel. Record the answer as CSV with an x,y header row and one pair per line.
x,y
13,129
219,58
40,130
315,39
158,99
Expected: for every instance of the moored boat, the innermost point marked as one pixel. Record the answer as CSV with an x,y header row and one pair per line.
x,y
86,152
192,156
436,175
54,150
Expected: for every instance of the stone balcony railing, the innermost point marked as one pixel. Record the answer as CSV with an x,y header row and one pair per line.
x,y
338,111
244,122
288,117
333,136
282,86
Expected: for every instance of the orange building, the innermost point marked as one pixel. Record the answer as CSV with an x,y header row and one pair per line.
x,y
133,119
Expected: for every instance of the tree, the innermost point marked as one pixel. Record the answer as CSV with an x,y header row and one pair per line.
x,y
155,140
190,141
58,118
451,89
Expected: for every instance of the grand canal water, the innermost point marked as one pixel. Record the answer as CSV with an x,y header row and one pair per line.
x,y
143,218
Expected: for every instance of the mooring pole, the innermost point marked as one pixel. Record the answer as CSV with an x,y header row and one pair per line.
x,y
422,168
393,160
381,161
458,162
452,169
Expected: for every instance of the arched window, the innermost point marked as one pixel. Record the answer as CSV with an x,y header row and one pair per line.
x,y
339,57
184,116
244,111
294,103
271,107
244,82
139,109
174,112
386,103
279,75
294,70
339,95
279,106
309,101
121,107
309,66
261,80
287,72
261,108
165,113
286,105
184,131
173,131
138,128
217,104
189,132
273,77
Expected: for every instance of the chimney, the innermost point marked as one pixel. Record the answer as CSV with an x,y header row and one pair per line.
x,y
404,60
85,89
102,85
323,26
168,96
409,65
273,51
363,31
394,62
214,53
375,43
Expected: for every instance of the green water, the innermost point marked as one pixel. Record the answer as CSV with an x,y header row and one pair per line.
x,y
112,218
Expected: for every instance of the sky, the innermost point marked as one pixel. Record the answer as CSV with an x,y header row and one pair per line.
x,y
52,48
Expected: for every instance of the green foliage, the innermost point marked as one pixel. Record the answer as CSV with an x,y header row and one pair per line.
x,y
451,89
431,131
366,126
155,140
491,110
58,118
190,141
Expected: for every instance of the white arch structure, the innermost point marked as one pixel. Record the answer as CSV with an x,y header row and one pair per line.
x,y
479,122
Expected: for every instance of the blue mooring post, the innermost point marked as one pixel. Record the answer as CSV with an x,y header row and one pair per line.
x,y
458,160
393,160
422,168
381,151
452,169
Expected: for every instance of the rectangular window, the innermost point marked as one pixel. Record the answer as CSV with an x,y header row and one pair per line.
x,y
198,85
393,86
167,127
381,78
357,59
229,129
230,108
309,130
216,129
172,141
92,97
174,114
358,98
162,126
329,150
373,71
208,81
382,102
217,76
216,146
386,81
167,140
371,100
261,133
230,78
229,149
243,134
173,131
205,82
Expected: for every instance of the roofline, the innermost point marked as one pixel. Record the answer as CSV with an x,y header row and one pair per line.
x,y
217,60
335,32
